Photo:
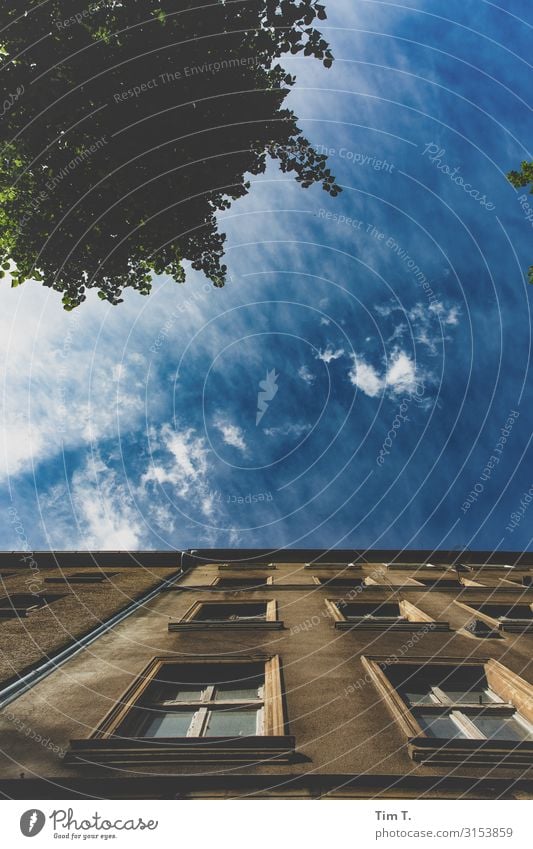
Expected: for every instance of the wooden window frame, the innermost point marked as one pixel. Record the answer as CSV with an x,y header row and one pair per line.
x,y
317,580
248,567
189,620
81,578
106,745
474,751
268,581
339,567
412,618
24,610
513,626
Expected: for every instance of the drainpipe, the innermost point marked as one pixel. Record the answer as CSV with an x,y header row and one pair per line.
x,y
26,682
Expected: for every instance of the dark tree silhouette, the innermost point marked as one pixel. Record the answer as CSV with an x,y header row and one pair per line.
x,y
519,179
128,125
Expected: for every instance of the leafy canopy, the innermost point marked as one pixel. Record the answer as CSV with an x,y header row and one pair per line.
x,y
519,179
129,125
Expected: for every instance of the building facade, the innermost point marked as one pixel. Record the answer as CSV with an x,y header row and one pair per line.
x,y
270,674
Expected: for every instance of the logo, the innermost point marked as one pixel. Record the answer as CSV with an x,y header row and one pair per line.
x,y
269,389
32,822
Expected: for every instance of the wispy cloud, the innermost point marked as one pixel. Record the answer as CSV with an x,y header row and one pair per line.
x,y
231,434
287,430
329,353
306,375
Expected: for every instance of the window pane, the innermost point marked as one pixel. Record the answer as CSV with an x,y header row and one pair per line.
x,y
231,612
238,691
231,723
168,724
501,727
438,725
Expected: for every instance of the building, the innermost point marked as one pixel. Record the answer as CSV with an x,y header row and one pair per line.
x,y
271,674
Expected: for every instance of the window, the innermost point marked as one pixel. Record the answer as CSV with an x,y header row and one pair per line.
x,y
323,564
400,614
440,583
459,712
506,617
225,614
242,583
341,583
218,709
82,578
21,604
248,566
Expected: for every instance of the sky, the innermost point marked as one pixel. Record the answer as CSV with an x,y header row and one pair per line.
x,y
363,380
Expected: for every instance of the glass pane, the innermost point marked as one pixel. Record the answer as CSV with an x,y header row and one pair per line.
x,y
231,612
184,694
468,686
501,727
438,725
238,691
168,724
473,696
231,723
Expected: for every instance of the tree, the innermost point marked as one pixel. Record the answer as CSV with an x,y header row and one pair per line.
x,y
128,126
519,179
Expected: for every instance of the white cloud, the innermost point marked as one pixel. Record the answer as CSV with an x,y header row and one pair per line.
x,y
400,376
306,375
365,377
329,354
231,434
179,458
96,509
401,373
287,430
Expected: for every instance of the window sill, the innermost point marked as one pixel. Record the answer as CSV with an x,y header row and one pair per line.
x,y
375,625
274,625
426,750
185,750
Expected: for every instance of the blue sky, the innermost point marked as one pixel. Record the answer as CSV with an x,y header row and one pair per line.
x,y
391,327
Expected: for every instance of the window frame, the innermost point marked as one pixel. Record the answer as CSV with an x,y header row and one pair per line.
x,y
268,580
512,625
515,692
251,567
411,617
11,611
106,745
81,578
190,621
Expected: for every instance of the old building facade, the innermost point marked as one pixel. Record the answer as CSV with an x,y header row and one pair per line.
x,y
288,674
